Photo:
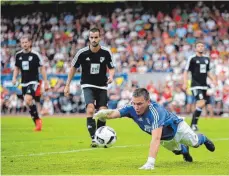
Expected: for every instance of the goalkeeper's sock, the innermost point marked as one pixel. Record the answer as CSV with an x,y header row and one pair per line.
x,y
185,152
195,116
201,139
184,149
100,123
91,126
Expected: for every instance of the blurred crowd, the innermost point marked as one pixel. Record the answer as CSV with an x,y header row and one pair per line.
x,y
140,41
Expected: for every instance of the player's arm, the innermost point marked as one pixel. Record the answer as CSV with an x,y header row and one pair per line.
x,y
213,78
15,74
111,75
16,69
74,65
153,150
43,71
155,142
113,113
187,68
104,114
110,65
185,78
44,76
70,76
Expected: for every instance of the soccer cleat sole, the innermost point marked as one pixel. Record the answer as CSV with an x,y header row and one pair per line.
x,y
209,145
187,157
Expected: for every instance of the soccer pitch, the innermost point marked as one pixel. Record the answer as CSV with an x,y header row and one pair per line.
x,y
63,148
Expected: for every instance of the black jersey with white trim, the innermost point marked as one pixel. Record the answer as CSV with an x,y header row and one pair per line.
x,y
94,66
29,64
199,67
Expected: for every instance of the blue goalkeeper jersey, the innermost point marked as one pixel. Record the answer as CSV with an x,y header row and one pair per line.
x,y
154,117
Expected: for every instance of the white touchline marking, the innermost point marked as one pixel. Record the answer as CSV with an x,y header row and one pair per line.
x,y
74,151
91,149
220,139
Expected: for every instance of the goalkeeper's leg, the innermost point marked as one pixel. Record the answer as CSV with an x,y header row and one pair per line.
x,y
178,149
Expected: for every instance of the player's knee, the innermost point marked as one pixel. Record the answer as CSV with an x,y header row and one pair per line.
x,y
102,107
195,141
28,100
196,146
90,109
200,103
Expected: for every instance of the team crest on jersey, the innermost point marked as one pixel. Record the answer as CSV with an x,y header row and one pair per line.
x,y
147,128
206,61
30,58
197,62
20,58
147,120
102,59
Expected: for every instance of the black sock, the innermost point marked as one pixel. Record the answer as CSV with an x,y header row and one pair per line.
x,y
100,124
33,112
91,126
195,116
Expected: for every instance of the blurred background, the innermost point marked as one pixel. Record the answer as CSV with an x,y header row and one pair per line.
x,y
150,42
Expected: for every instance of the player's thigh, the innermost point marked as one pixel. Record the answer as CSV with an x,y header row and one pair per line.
x,y
89,95
101,98
200,97
171,145
29,92
185,135
198,94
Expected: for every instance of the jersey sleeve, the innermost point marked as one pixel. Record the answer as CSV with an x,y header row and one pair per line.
x,y
40,58
188,66
159,117
76,60
110,62
125,111
17,62
208,65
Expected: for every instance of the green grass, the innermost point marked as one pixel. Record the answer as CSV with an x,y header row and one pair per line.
x,y
63,148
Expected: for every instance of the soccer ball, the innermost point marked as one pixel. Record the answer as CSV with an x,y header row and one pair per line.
x,y
105,136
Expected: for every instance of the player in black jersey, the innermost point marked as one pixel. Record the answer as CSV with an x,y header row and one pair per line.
x,y
28,62
199,66
94,60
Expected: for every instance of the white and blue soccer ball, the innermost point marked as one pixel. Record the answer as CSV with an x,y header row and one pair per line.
x,y
105,136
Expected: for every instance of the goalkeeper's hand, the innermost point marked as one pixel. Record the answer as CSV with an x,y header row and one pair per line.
x,y
102,114
149,165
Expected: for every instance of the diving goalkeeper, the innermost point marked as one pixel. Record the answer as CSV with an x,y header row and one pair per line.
x,y
165,127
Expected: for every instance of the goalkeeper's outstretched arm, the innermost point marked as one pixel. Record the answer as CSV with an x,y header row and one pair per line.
x,y
107,114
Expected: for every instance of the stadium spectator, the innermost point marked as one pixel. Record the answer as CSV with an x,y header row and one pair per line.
x,y
47,108
150,42
179,99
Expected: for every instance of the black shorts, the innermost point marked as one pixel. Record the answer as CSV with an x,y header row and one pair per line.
x,y
95,96
33,90
200,95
